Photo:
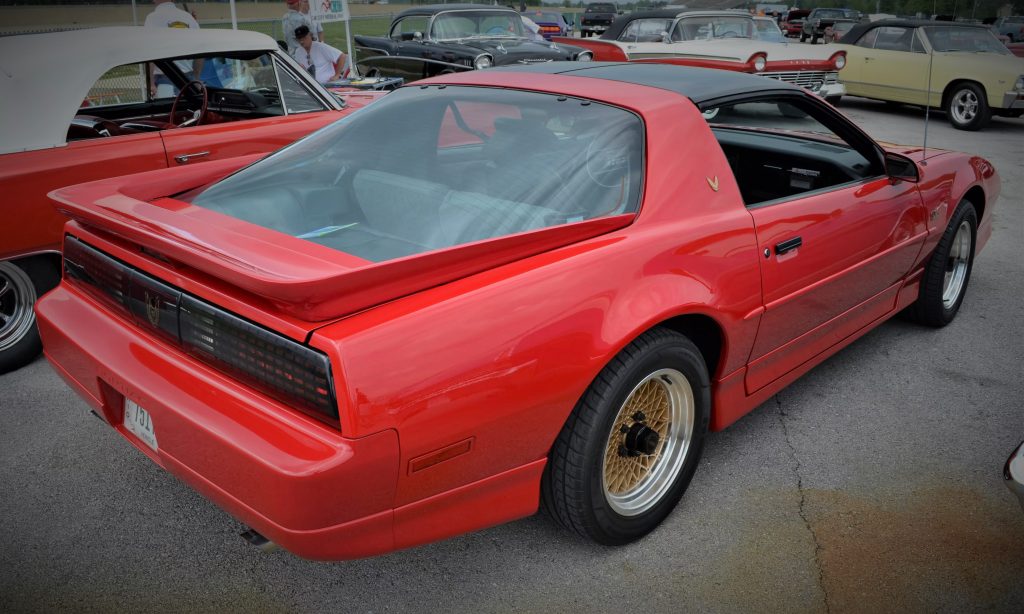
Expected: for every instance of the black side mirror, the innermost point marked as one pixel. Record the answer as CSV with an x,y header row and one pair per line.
x,y
901,167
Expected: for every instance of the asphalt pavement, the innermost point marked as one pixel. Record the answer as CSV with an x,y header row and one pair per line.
x,y
871,484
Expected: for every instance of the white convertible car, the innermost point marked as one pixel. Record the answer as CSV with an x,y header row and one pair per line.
x,y
717,39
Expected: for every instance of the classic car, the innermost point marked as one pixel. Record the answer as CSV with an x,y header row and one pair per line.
x,y
437,39
793,23
1011,27
838,30
555,285
108,113
1016,49
817,21
1013,473
596,18
716,39
551,23
972,75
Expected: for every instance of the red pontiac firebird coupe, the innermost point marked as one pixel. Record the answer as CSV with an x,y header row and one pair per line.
x,y
90,104
495,289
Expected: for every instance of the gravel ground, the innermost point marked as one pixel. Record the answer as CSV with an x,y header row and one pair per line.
x,y
871,484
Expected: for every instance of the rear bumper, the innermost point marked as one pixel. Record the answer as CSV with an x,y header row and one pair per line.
x,y
302,485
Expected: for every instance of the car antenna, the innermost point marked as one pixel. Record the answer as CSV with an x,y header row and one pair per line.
x,y
928,104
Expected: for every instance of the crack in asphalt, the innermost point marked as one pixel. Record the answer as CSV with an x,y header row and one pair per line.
x,y
803,500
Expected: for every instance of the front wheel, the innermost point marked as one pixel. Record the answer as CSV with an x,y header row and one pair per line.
x,y
20,285
967,107
834,100
944,283
631,445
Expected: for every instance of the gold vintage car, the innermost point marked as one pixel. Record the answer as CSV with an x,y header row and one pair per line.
x,y
973,76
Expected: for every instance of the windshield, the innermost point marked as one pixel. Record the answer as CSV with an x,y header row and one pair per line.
x,y
767,30
706,28
425,169
470,24
977,40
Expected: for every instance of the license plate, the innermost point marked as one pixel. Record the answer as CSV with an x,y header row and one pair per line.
x,y
140,423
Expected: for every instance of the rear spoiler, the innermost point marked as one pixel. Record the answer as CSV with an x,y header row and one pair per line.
x,y
308,281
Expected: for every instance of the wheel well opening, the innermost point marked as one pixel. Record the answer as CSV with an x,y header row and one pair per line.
x,y
705,333
946,93
976,196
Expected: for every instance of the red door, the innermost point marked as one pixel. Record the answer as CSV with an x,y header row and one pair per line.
x,y
835,262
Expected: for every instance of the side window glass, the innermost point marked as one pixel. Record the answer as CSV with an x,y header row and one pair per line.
x,y
894,38
916,45
120,85
868,40
297,98
404,29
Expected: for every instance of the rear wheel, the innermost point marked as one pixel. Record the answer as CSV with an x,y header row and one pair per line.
x,y
833,100
20,285
803,37
967,108
948,270
630,447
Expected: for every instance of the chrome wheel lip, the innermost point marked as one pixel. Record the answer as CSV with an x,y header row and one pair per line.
x,y
672,452
17,296
964,106
957,263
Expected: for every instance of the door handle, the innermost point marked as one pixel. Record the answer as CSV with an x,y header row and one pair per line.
x,y
183,158
788,245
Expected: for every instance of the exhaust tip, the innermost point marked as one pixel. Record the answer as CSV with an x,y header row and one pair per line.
x,y
256,539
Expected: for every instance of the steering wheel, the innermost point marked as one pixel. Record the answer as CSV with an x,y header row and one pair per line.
x,y
729,34
197,115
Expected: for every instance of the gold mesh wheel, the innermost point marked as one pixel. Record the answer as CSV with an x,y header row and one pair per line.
x,y
648,442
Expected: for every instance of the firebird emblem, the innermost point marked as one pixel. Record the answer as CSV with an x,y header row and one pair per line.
x,y
152,309
713,182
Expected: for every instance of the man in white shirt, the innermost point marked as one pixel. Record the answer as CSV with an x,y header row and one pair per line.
x,y
166,15
324,62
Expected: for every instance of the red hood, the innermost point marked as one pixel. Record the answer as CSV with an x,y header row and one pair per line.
x,y
305,280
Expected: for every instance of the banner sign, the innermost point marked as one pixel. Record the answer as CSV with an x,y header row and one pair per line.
x,y
323,11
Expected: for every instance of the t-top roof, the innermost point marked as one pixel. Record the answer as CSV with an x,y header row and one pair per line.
x,y
698,84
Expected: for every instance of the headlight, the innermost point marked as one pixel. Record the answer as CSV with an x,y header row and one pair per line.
x,y
483,61
586,56
759,63
840,62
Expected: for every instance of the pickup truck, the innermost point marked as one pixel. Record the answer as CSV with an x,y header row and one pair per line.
x,y
596,19
816,22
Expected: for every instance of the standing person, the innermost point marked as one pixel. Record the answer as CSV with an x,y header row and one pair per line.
x,y
317,28
324,62
166,15
292,20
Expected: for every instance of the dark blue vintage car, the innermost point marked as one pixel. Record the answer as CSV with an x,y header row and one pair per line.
x,y
429,40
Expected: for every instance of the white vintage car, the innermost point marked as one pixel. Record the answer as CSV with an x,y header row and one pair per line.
x,y
717,39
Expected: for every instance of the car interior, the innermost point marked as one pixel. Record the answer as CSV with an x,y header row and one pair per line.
x,y
228,88
778,150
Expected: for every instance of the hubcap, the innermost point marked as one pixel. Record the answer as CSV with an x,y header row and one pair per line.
x,y
17,294
965,106
648,442
956,265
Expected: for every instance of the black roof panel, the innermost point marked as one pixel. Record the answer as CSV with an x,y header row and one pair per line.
x,y
862,28
697,84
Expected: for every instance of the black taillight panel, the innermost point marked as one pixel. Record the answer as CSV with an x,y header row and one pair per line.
x,y
277,366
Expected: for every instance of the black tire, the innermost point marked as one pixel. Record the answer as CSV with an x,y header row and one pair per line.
x,y
791,111
833,100
803,37
948,271
967,107
814,39
21,284
603,433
